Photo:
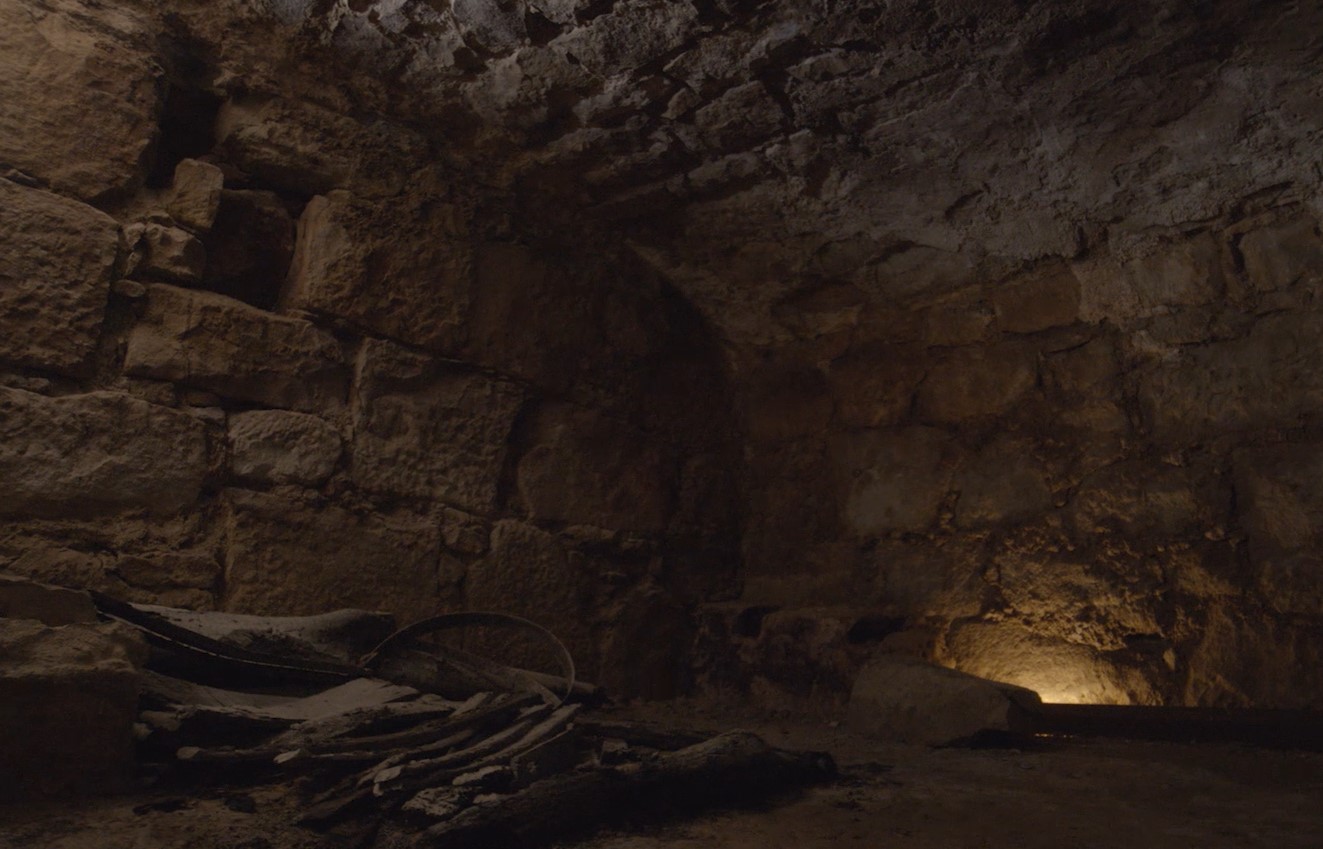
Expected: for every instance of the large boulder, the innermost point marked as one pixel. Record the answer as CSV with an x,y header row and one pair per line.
x,y
904,699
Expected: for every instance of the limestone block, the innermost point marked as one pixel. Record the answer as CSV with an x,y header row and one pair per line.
x,y
169,253
904,699
68,701
1279,497
23,598
464,532
1183,273
1278,256
81,94
400,267
1098,599
874,385
893,480
630,35
222,345
553,305
1088,370
587,468
169,570
1172,273
310,149
1004,483
1047,297
1242,658
195,194
97,452
739,118
285,557
1143,498
976,383
941,580
429,429
1265,380
529,573
496,25
56,260
278,446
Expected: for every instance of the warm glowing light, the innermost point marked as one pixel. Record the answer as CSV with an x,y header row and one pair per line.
x,y
1061,672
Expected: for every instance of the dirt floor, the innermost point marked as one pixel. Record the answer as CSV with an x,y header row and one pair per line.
x,y
1061,794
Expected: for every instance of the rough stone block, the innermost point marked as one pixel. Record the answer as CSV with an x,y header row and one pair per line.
x,y
1181,273
586,468
278,446
904,699
306,148
1004,483
874,386
22,598
1143,498
1278,256
169,570
1268,379
551,303
195,194
68,701
284,557
1279,496
1048,297
170,253
81,94
923,581
428,429
1089,370
56,260
1242,658
529,573
399,267
976,383
222,345
97,452
893,480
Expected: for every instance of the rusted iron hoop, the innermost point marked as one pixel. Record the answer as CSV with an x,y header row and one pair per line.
x,y
452,621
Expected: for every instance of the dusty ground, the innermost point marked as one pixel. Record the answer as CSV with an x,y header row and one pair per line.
x,y
1076,794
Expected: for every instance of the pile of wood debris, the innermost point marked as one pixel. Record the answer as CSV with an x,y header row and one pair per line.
x,y
406,743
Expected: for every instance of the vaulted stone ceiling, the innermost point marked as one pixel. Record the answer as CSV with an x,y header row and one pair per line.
x,y
759,151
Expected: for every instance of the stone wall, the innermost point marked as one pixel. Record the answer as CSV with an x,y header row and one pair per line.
x,y
1013,300
1093,477
259,354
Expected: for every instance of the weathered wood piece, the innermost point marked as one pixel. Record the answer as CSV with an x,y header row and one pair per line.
x,y
713,771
